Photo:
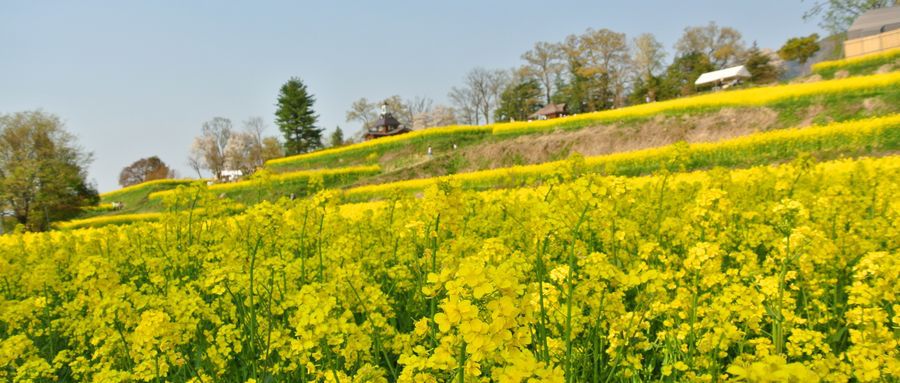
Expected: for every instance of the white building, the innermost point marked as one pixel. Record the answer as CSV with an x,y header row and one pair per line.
x,y
724,78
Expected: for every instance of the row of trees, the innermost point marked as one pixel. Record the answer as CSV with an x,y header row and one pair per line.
x,y
416,113
221,147
600,69
595,70
603,69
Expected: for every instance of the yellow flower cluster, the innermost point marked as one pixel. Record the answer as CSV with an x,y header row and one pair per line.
x,y
99,208
119,219
774,273
149,184
885,56
865,132
265,179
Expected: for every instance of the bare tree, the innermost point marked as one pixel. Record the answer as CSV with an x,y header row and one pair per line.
x,y
195,158
254,128
721,45
362,111
418,106
463,99
606,58
647,55
545,63
837,15
239,152
438,115
208,150
484,88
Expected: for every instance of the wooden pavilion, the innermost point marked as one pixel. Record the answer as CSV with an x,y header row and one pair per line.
x,y
549,111
386,126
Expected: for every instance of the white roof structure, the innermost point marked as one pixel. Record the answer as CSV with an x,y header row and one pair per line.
x,y
232,173
734,72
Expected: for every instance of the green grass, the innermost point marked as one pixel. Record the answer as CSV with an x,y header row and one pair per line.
x,y
857,66
372,154
134,198
273,188
849,139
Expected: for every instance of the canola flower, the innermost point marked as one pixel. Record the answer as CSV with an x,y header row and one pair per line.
x,y
881,133
118,219
146,185
102,207
884,57
320,176
772,273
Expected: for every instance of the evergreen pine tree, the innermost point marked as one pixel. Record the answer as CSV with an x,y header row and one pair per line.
x,y
519,101
296,119
760,67
337,137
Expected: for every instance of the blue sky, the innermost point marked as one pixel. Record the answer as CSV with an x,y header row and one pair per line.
x,y
134,79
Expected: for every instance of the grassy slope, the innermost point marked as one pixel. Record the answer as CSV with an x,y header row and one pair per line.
x,y
646,132
859,65
135,199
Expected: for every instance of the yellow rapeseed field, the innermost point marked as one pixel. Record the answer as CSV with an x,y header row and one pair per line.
x,y
849,133
784,273
107,220
142,185
272,179
888,55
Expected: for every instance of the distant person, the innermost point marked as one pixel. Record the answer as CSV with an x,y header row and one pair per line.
x,y
429,151
454,146
647,99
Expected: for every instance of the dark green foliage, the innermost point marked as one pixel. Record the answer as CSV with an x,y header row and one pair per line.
x,y
645,88
579,95
337,137
799,49
519,101
759,65
296,119
43,173
679,78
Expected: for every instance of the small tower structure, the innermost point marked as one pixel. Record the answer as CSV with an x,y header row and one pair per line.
x,y
386,126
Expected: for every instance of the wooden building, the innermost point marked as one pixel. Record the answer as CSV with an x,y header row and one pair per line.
x,y
876,30
549,111
386,126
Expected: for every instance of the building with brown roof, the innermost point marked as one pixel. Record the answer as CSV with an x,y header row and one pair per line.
x,y
549,111
386,126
